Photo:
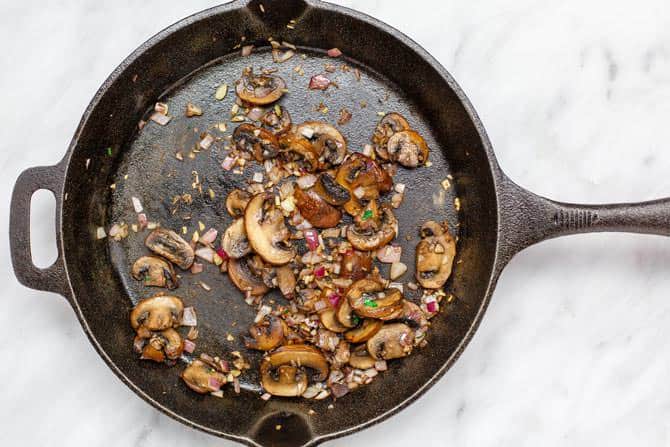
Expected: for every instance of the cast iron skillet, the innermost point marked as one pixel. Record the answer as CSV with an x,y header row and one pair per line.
x,y
185,62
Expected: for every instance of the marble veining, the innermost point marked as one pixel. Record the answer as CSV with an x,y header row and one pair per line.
x,y
573,350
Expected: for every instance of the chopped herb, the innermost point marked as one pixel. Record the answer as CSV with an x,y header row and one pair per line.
x,y
367,214
370,303
109,151
355,320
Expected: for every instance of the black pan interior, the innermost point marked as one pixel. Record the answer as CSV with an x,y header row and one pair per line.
x,y
186,64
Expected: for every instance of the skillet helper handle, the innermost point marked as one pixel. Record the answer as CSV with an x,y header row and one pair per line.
x,y
52,278
527,218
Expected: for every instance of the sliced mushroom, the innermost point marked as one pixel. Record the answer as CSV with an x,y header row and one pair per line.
x,y
235,242
244,279
355,265
313,208
361,359
330,322
290,382
259,89
267,231
368,299
391,342
155,272
346,316
263,270
369,239
367,330
331,191
408,148
286,281
306,299
390,124
202,377
327,140
171,246
435,255
162,346
302,355
413,316
363,177
277,120
259,142
299,149
237,201
157,313
267,334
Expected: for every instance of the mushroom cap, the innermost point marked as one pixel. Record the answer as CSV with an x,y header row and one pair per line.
x,y
171,246
235,242
364,332
162,346
368,299
237,201
359,170
434,257
345,314
389,124
244,279
408,148
391,342
259,142
329,320
157,313
259,89
361,359
303,355
267,231
201,377
370,240
155,272
277,123
316,210
327,140
331,191
299,149
355,265
291,381
266,334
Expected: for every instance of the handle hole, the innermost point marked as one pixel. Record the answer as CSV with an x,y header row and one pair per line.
x,y
42,228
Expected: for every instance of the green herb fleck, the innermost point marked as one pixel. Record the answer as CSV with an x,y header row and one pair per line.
x,y
367,214
355,320
109,151
370,303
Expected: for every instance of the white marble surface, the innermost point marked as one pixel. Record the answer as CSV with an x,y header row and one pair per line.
x,y
574,348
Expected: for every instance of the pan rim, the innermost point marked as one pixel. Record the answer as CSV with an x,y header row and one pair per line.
x,y
496,174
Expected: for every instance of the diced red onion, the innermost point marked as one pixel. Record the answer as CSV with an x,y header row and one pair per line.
x,y
209,237
389,254
431,306
246,50
206,142
197,268
312,238
214,383
228,163
334,299
306,181
137,205
223,364
222,254
160,119
334,52
255,113
189,346
206,254
320,305
319,82
320,271
188,317
142,220
311,257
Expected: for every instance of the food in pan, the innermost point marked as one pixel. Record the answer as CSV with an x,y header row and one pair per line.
x,y
317,226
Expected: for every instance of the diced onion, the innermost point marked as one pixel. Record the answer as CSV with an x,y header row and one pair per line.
x,y
197,268
359,192
320,305
189,318
209,237
334,52
246,50
312,238
319,82
137,205
206,254
306,181
262,313
100,233
160,119
142,220
228,163
389,254
189,346
206,142
255,113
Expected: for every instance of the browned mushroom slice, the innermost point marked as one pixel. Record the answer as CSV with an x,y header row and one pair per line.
x,y
267,231
203,378
370,239
162,346
157,313
259,89
171,246
155,272
277,120
303,355
263,270
286,281
391,342
390,124
327,140
361,359
367,330
290,381
355,265
408,148
237,201
235,242
267,334
331,191
368,299
330,322
313,208
435,255
259,142
298,149
413,316
359,171
346,316
244,279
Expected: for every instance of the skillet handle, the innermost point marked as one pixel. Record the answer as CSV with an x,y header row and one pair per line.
x,y
52,278
526,218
